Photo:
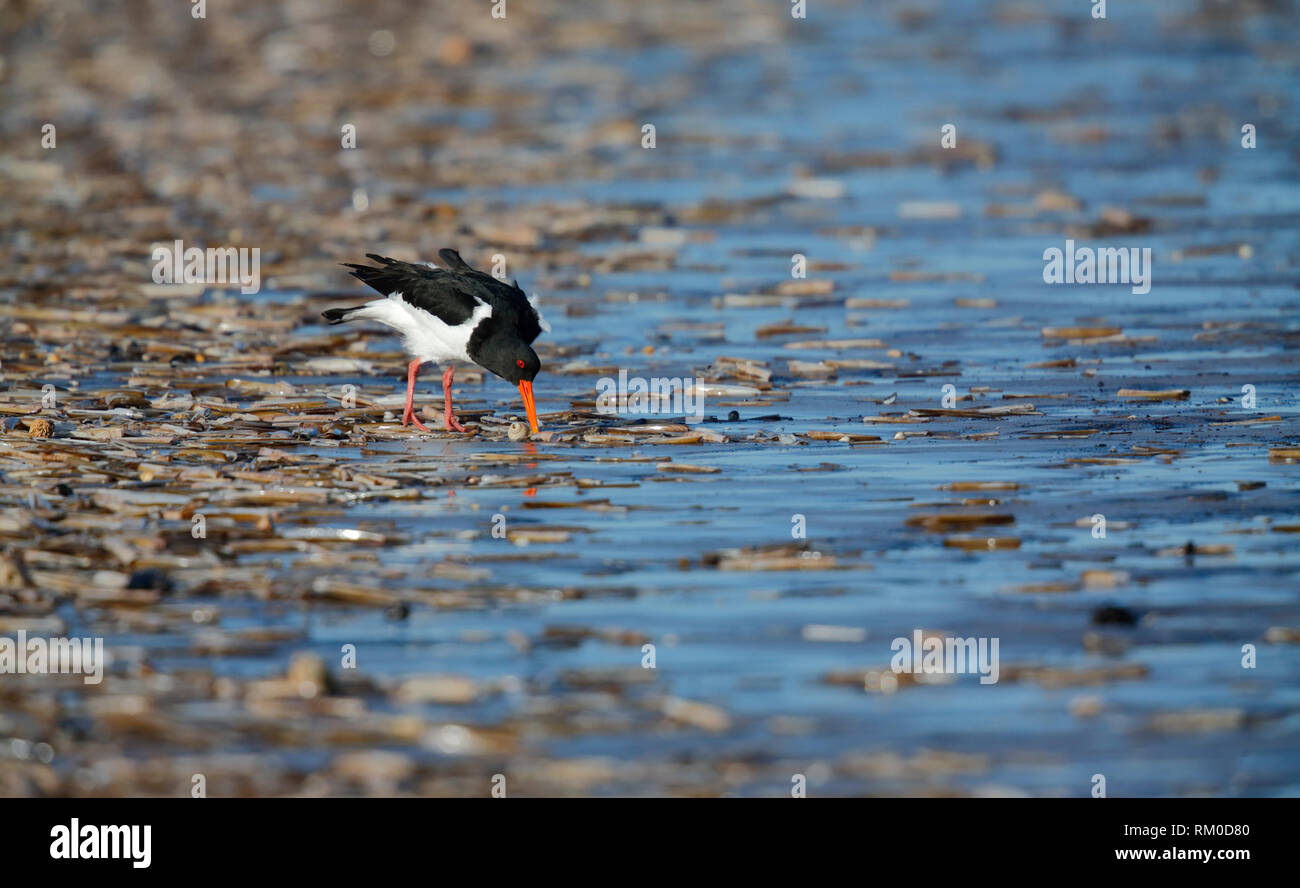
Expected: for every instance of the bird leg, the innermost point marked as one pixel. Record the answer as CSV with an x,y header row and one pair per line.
x,y
408,415
448,419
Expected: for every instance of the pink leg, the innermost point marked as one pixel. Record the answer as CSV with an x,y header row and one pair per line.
x,y
448,419
408,415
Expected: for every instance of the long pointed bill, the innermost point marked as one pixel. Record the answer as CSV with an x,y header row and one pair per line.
x,y
526,391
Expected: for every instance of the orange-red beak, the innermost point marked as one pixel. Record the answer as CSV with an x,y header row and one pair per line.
x,y
526,391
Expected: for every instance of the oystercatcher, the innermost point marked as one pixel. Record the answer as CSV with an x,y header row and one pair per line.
x,y
448,314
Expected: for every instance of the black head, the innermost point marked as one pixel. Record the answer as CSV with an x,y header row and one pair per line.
x,y
514,361
510,358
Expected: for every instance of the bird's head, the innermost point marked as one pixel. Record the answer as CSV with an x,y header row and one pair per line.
x,y
515,361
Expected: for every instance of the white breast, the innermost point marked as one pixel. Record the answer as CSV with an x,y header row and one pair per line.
x,y
425,335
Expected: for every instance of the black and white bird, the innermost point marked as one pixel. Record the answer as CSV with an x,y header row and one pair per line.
x,y
449,314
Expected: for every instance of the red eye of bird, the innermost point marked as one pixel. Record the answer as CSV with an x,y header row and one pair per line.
x,y
520,362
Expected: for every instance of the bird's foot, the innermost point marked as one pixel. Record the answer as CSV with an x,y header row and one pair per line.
x,y
449,418
409,417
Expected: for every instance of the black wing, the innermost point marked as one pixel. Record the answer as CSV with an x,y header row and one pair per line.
x,y
510,306
437,292
453,294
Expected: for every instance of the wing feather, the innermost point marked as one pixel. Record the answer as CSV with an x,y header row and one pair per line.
x,y
453,292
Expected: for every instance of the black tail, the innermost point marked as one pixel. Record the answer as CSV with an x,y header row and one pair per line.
x,y
389,278
338,315
393,276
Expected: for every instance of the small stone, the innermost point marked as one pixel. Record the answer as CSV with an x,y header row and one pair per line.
x,y
1111,615
307,671
1086,707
